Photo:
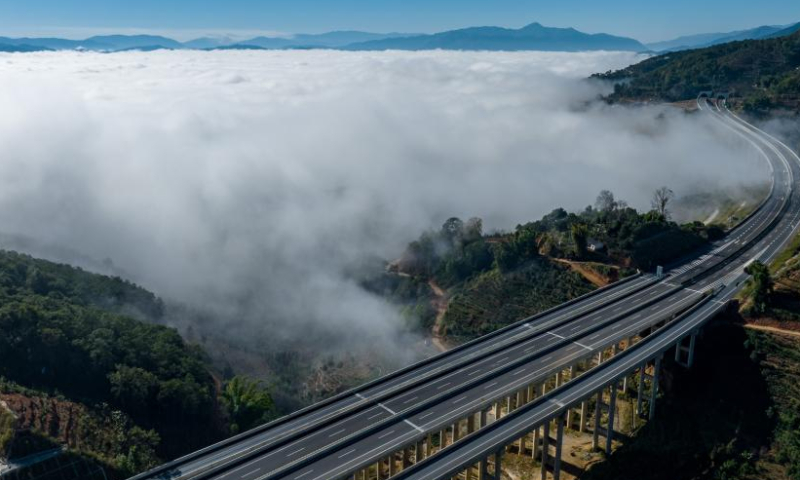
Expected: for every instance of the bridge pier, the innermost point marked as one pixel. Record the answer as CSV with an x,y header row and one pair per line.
x,y
596,430
654,388
612,407
545,448
681,349
559,446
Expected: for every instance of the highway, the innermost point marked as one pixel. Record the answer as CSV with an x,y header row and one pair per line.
x,y
359,428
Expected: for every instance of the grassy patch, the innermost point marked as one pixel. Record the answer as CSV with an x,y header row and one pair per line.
x,y
494,299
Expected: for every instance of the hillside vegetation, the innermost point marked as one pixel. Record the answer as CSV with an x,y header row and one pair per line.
x,y
494,280
763,73
135,393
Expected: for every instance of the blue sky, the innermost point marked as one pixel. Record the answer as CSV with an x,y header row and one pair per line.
x,y
643,20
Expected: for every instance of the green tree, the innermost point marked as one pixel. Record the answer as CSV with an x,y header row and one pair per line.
x,y
761,286
133,387
248,403
580,236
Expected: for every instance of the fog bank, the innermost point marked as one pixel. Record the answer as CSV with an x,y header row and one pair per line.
x,y
246,182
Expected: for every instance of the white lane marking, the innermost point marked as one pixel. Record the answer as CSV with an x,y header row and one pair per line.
x,y
490,385
387,409
427,415
375,416
556,335
518,372
303,474
414,426
474,373
250,473
347,453
337,432
362,397
584,346
442,386
386,434
547,358
460,399
296,451
410,400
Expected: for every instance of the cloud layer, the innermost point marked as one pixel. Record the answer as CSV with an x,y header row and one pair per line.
x,y
248,181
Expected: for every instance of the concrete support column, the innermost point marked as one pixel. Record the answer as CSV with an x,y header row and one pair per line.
x,y
456,431
654,388
678,350
692,341
545,448
640,389
498,467
482,418
508,404
393,464
596,432
559,445
471,423
483,472
535,442
429,445
599,357
497,411
442,439
612,407
559,374
584,413
569,418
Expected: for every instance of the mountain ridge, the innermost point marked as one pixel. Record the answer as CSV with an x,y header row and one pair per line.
x,y
534,36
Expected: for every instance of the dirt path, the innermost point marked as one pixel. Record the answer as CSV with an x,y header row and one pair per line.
x,y
440,304
711,217
587,273
764,328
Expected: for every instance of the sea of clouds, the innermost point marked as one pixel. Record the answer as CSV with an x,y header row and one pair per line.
x,y
248,182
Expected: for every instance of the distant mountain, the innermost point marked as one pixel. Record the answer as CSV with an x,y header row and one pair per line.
x,y
128,42
785,32
55,43
533,37
209,42
689,41
22,48
99,43
711,39
323,40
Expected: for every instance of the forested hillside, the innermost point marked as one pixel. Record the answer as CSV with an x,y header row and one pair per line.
x,y
762,73
135,393
493,280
